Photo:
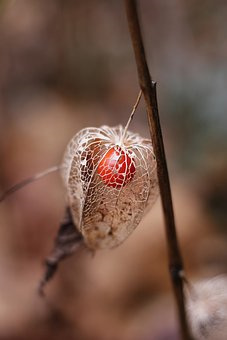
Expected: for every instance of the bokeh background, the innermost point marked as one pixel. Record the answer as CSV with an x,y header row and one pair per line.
x,y
65,65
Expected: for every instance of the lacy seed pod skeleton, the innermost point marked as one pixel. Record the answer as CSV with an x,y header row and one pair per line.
x,y
110,176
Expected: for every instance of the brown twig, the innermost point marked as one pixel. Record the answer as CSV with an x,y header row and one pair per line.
x,y
148,88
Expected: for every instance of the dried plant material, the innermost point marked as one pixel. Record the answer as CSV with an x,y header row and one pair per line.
x,y
110,176
27,181
148,86
68,240
207,309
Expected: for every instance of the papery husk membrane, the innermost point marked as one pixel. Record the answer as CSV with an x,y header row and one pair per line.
x,y
105,215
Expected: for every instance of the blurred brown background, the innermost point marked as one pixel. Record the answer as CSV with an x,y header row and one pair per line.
x,y
65,65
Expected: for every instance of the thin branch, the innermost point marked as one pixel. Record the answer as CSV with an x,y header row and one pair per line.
x,y
148,88
28,180
131,116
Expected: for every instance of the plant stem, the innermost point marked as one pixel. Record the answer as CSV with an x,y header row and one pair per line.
x,y
148,88
131,116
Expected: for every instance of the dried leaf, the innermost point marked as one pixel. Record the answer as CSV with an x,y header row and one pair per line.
x,y
68,240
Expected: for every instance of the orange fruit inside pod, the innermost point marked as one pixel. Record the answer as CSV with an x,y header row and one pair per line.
x,y
116,168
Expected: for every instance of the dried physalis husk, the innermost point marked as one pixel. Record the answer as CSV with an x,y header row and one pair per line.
x,y
111,178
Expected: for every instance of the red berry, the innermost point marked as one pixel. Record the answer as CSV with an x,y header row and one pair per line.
x,y
116,168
